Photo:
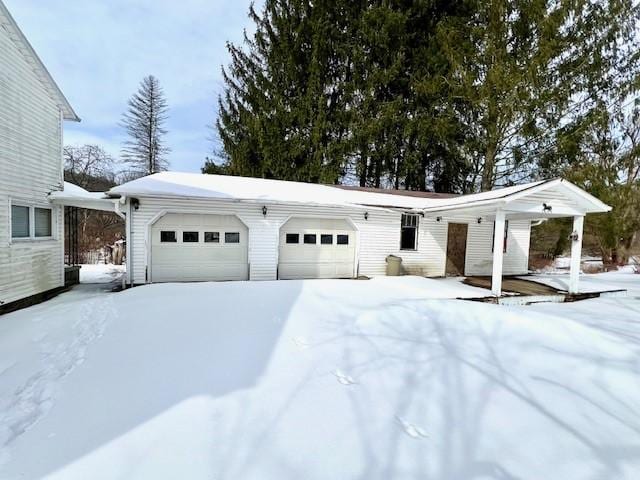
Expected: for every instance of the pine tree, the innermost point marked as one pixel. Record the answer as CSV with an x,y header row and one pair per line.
x,y
145,150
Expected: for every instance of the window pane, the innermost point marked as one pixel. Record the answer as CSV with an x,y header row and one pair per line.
x,y
293,238
211,237
409,220
231,237
310,238
42,217
408,238
166,236
190,237
326,239
19,221
342,239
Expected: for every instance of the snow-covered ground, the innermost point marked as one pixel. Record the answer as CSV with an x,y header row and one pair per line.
x,y
332,379
101,273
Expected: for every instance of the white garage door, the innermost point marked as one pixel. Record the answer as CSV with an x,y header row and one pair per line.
x,y
193,248
317,248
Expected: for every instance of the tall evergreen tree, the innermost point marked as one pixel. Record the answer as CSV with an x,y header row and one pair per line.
x,y
145,150
530,71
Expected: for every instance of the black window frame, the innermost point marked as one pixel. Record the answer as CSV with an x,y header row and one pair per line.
x,y
309,236
289,237
190,232
340,237
227,236
409,222
323,236
175,236
214,235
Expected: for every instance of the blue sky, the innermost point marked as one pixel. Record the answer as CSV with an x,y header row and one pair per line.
x,y
99,50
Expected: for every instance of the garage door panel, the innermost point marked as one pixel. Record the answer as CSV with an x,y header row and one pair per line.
x,y
319,260
199,261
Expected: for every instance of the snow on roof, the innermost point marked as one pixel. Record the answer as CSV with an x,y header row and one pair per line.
x,y
76,196
226,187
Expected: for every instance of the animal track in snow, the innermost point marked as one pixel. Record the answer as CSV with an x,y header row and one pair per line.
x,y
301,343
344,379
411,429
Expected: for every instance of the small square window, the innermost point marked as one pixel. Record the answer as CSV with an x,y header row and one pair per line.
x,y
168,236
20,222
42,217
293,238
190,237
342,239
310,238
211,237
326,239
231,237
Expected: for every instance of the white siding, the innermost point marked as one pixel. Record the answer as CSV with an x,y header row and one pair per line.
x,y
479,259
378,236
30,168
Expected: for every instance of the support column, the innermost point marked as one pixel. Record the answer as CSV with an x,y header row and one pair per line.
x,y
498,253
576,252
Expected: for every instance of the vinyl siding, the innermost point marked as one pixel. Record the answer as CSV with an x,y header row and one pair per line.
x,y
377,237
479,259
30,168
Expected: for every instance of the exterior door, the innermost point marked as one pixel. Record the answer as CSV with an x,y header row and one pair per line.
x,y
199,247
316,248
456,249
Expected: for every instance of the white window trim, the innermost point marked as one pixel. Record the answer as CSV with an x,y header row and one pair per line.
x,y
32,222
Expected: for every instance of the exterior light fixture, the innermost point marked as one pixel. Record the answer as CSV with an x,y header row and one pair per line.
x,y
135,203
366,215
264,210
438,219
479,219
574,237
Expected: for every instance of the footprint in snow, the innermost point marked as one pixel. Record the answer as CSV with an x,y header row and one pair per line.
x,y
301,343
344,379
411,429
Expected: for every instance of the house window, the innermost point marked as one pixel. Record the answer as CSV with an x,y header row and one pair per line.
x,y
168,236
326,239
310,238
190,237
211,237
408,232
504,240
231,237
20,222
292,238
342,239
42,222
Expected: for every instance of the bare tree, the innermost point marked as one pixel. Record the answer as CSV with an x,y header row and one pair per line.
x,y
89,167
145,150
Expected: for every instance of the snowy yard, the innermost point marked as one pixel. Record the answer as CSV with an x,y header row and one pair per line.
x,y
101,273
316,379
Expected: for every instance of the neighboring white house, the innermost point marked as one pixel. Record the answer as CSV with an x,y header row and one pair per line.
x,y
194,227
32,110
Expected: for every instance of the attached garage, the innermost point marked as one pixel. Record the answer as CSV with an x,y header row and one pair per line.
x,y
317,248
199,247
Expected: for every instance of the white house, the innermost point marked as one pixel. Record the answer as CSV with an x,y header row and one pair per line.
x,y
32,110
193,227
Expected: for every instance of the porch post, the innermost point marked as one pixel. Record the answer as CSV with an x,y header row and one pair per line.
x,y
498,249
576,252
